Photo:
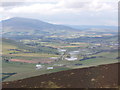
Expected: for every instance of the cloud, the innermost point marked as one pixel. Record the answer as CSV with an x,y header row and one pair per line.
x,y
13,3
94,5
60,10
63,6
9,4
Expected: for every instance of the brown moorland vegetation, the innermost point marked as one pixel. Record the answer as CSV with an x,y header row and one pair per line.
x,y
103,76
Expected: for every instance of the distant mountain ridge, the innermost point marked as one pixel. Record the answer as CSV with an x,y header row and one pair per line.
x,y
27,26
19,27
89,27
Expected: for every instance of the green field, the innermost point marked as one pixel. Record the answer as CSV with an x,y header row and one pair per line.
x,y
25,70
14,50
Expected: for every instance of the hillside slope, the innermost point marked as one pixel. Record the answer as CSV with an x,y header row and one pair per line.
x,y
103,76
9,45
27,26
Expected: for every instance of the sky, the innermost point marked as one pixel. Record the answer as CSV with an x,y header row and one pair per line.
x,y
66,12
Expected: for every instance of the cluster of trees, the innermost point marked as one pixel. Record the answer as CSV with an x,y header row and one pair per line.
x,y
91,39
29,49
43,49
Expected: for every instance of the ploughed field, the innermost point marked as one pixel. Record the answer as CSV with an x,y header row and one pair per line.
x,y
102,76
32,61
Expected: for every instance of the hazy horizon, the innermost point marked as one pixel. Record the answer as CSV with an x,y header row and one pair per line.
x,y
61,24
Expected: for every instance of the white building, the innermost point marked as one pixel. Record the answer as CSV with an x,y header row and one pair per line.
x,y
54,58
61,50
71,59
49,68
38,66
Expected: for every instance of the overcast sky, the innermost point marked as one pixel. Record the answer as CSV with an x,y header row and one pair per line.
x,y
68,12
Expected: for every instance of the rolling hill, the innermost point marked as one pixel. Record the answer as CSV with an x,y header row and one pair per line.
x,y
88,27
27,26
11,46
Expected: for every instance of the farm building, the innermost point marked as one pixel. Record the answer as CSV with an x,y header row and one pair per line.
x,y
38,66
61,50
54,58
49,68
71,59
